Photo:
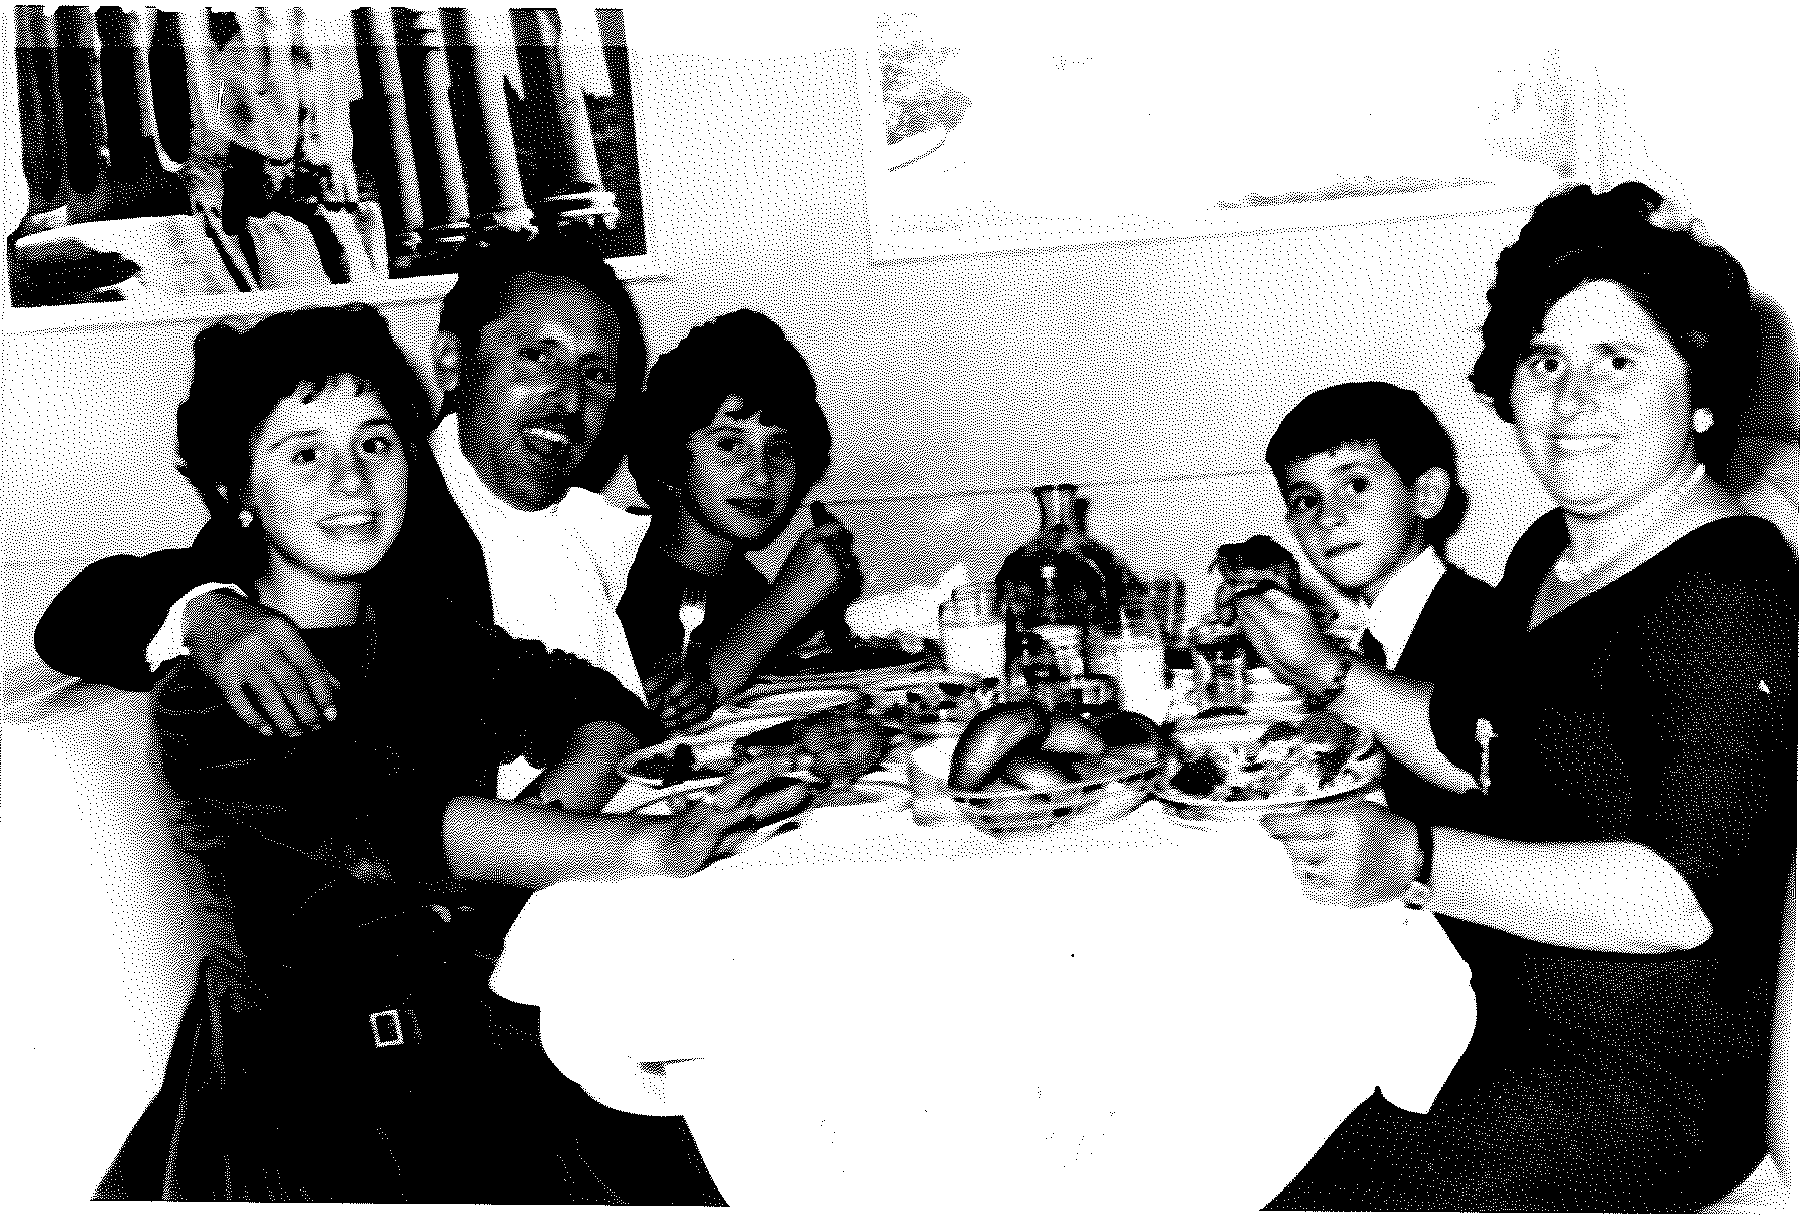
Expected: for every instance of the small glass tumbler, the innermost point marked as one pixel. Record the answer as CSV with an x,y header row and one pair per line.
x,y
1219,667
972,633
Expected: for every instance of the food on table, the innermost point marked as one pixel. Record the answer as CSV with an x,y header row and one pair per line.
x,y
843,743
1199,777
1068,734
1287,761
1258,563
1016,748
840,744
939,702
677,765
1120,728
990,738
1037,772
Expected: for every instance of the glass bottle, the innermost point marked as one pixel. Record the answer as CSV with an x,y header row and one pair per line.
x,y
1020,584
1119,579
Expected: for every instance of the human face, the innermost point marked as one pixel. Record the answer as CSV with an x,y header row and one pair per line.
x,y
1601,402
1355,518
535,395
741,476
329,483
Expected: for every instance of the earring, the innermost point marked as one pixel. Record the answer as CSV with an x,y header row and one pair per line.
x,y
244,518
1702,420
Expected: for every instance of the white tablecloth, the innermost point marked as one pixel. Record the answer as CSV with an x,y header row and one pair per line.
x,y
871,1016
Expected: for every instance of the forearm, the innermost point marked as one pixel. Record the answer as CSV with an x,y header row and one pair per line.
x,y
736,658
1612,897
584,776
1397,711
532,847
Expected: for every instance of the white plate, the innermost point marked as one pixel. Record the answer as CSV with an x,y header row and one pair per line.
x,y
792,703
712,743
1189,810
859,677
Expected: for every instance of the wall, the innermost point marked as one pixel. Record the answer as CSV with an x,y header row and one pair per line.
x,y
1150,373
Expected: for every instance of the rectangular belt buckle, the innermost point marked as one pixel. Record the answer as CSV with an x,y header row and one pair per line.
x,y
385,1024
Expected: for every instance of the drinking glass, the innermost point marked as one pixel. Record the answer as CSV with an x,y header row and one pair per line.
x,y
1131,650
1219,666
972,632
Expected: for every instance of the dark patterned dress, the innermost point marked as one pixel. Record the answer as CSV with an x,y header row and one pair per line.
x,y
1658,710
342,1043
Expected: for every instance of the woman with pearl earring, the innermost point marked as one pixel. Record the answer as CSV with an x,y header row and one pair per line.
x,y
1615,877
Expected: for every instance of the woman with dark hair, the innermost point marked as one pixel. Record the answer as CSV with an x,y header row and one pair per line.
x,y
342,1043
1615,875
729,443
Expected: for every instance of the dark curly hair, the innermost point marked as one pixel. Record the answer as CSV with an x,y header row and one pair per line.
x,y
1396,421
240,376
485,275
745,354
1695,292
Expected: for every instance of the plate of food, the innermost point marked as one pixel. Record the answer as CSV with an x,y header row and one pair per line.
x,y
1228,770
933,704
854,661
790,703
837,745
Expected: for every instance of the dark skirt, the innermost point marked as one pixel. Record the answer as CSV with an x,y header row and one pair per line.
x,y
1535,1123
440,1098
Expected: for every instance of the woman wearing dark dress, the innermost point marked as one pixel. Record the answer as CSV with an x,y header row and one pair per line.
x,y
342,1043
730,442
1618,889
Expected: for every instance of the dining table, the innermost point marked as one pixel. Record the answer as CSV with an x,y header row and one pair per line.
x,y
887,1011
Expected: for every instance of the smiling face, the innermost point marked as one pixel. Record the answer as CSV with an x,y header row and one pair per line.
x,y
1602,402
741,477
535,394
328,483
1353,516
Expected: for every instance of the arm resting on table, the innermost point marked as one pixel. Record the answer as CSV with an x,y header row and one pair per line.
x,y
532,847
1611,897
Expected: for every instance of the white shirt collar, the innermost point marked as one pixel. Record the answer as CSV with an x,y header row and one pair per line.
x,y
1394,615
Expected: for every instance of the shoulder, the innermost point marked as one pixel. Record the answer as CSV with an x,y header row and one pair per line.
x,y
1734,574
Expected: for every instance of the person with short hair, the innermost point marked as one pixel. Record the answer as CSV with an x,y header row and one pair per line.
x,y
1372,494
342,1043
729,443
1617,886
541,357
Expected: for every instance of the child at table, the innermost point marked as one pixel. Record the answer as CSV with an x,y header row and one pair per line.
x,y
1372,495
731,440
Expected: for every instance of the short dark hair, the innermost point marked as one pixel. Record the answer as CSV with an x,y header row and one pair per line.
x,y
1695,292
1394,420
742,353
486,274
240,377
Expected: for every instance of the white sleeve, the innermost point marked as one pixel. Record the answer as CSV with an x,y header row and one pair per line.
x,y
167,643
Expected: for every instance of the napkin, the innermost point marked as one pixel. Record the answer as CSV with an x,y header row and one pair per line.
x,y
913,612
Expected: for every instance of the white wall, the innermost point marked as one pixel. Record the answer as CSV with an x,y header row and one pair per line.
x,y
1153,371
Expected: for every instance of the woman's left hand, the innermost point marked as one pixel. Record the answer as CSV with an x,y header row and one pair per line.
x,y
1355,854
